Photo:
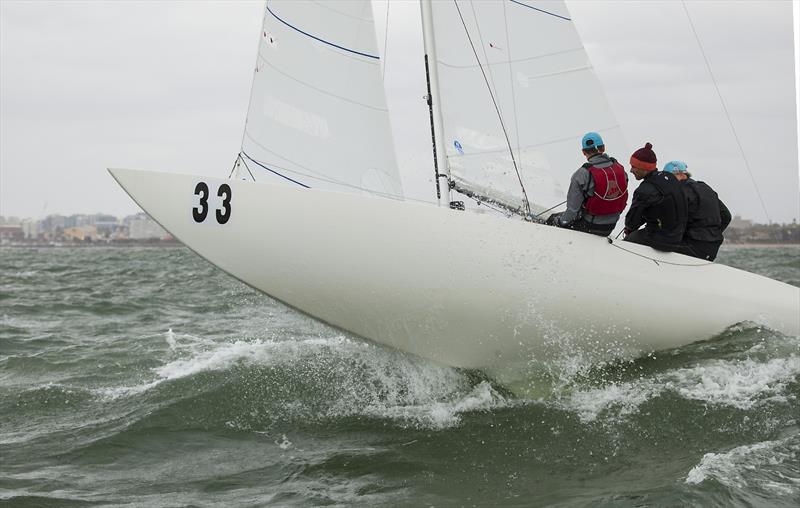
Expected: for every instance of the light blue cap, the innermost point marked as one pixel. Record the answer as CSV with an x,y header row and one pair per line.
x,y
591,140
676,167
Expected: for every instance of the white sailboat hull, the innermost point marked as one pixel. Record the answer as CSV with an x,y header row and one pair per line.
x,y
460,288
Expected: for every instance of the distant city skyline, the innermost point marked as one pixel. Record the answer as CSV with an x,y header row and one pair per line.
x,y
80,227
81,90
4,219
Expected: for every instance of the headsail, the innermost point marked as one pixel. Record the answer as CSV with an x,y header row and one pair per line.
x,y
515,80
318,114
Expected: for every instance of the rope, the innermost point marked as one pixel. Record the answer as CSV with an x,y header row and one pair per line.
x,y
727,115
497,109
656,261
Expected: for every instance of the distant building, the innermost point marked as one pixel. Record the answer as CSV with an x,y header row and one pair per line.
x,y
52,226
9,220
30,229
11,232
142,227
106,229
80,233
738,223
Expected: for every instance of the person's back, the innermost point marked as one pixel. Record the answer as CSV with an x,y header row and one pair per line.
x,y
707,214
658,203
598,191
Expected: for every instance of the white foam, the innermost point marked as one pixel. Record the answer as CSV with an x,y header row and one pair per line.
x,y
624,398
181,342
743,384
436,414
752,465
223,357
284,443
170,337
219,359
116,392
740,383
370,380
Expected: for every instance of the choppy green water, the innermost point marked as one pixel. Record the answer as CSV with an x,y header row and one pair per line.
x,y
147,377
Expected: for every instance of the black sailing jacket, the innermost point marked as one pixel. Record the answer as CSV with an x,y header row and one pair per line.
x,y
659,204
708,215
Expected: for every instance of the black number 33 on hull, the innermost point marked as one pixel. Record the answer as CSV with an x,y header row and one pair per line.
x,y
224,192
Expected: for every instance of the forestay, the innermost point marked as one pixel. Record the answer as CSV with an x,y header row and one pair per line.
x,y
317,114
528,56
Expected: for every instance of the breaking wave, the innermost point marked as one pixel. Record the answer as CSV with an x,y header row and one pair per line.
x,y
769,466
322,378
741,383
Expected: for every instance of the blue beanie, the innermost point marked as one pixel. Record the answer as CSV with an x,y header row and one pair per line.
x,y
591,140
676,167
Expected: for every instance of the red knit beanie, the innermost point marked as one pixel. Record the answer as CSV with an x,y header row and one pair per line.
x,y
644,158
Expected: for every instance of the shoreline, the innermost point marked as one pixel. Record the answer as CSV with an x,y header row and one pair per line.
x,y
93,245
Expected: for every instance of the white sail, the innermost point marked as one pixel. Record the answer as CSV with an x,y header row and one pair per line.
x,y
457,288
530,56
318,115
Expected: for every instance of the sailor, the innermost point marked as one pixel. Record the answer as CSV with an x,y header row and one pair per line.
x,y
658,203
598,191
708,215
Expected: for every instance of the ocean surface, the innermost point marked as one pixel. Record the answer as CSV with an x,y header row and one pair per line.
x,y
147,377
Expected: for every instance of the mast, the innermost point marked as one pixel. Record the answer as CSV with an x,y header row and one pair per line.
x,y
440,168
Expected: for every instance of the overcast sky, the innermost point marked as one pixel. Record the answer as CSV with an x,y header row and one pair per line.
x,y
165,85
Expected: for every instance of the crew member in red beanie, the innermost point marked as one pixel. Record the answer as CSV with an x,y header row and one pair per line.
x,y
658,203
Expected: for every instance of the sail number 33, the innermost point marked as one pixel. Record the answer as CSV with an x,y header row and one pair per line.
x,y
223,213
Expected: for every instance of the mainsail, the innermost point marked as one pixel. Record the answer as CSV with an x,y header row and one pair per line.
x,y
318,116
517,92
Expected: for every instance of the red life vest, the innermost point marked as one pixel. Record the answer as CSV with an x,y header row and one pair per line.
x,y
610,190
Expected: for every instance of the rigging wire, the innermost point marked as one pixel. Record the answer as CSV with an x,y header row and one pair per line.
x,y
385,60
493,87
511,80
727,114
247,167
235,163
554,206
252,86
525,203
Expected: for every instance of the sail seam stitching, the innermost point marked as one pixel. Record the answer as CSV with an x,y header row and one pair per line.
x,y
540,10
279,71
329,43
319,176
525,147
518,60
